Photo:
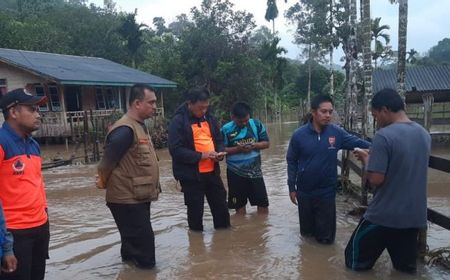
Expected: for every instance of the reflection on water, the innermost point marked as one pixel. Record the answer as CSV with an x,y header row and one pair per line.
x,y
85,243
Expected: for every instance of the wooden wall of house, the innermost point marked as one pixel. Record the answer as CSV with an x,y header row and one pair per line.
x,y
17,78
88,98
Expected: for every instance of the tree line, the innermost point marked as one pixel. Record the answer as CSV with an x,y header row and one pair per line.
x,y
212,45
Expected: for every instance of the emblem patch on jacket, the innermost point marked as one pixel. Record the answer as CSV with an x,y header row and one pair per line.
x,y
18,167
332,142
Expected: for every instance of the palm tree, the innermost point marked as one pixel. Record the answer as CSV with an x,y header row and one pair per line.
x,y
402,32
367,62
331,24
270,52
367,69
271,13
412,59
132,32
352,54
377,35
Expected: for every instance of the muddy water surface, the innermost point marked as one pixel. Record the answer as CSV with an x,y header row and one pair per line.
x,y
85,243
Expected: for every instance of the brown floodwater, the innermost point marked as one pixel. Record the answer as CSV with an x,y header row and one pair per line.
x,y
85,243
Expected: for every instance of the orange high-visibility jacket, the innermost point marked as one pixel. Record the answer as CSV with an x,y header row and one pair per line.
x,y
21,183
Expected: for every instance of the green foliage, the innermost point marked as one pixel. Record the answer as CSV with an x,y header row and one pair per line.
x,y
8,5
412,56
320,76
133,33
60,27
437,55
441,52
272,10
378,34
213,45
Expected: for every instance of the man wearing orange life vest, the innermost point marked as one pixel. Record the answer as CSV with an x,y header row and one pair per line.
x,y
196,146
21,184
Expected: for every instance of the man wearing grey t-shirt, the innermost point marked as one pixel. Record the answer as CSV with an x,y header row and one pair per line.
x,y
397,168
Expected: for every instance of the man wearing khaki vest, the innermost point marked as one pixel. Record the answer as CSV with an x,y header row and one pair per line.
x,y
129,173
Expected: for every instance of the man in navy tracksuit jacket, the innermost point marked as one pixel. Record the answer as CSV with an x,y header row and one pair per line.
x,y
312,170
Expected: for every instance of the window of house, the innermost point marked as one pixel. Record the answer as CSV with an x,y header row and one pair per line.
x,y
40,92
112,98
54,101
100,98
3,87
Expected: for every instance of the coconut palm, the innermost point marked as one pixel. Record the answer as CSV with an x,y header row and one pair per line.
x,y
412,56
271,13
378,34
402,32
367,62
133,34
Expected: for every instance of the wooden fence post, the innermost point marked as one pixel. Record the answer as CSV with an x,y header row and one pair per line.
x,y
85,136
422,243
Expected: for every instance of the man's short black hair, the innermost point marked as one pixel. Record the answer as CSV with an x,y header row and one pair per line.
x,y
197,94
137,92
319,99
388,98
241,110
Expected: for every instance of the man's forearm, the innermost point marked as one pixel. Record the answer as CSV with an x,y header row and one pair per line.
x,y
262,145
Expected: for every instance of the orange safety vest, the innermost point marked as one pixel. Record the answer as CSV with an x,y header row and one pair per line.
x,y
203,142
21,183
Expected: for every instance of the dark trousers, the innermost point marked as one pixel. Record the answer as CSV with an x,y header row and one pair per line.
x,y
317,218
136,233
369,240
31,250
210,185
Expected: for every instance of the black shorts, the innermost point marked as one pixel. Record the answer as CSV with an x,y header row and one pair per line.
x,y
241,188
369,240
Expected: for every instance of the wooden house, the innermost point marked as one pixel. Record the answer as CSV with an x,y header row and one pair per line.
x,y
76,86
427,92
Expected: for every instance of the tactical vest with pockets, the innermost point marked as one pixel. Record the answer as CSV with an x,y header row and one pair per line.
x,y
136,177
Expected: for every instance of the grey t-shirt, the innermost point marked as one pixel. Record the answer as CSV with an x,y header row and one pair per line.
x,y
401,152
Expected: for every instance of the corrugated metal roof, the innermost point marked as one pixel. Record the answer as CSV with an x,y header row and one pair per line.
x,y
80,70
423,78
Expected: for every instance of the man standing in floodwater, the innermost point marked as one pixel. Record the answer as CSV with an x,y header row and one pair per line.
x,y
312,170
196,147
130,174
22,191
397,168
244,137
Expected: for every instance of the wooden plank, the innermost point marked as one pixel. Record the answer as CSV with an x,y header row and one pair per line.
x,y
435,162
438,163
353,166
438,218
432,215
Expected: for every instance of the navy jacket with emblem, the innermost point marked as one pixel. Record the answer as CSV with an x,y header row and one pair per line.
x,y
312,159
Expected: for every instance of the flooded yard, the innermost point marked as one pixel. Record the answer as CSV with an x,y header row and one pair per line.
x,y
85,243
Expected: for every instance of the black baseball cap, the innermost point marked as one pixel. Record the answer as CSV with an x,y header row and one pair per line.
x,y
20,97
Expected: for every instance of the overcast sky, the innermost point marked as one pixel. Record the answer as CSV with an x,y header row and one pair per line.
x,y
428,21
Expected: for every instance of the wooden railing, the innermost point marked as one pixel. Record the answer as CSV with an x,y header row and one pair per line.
x,y
70,124
437,163
62,124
